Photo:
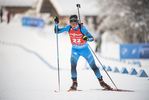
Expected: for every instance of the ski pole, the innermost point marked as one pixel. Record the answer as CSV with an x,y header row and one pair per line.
x,y
78,6
56,26
102,66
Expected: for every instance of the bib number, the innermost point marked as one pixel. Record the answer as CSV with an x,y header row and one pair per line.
x,y
76,40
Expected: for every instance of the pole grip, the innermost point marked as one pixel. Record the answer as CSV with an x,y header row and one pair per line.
x,y
78,5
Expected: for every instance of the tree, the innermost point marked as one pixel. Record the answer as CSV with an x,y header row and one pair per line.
x,y
129,19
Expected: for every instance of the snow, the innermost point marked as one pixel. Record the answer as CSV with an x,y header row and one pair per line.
x,y
17,2
68,7
88,8
26,57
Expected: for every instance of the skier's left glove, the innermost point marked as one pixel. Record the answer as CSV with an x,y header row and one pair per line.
x,y
85,38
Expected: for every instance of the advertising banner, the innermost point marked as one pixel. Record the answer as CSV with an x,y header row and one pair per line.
x,y
35,22
134,51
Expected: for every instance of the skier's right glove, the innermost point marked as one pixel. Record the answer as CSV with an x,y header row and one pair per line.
x,y
56,20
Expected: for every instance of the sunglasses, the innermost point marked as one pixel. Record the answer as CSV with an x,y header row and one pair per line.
x,y
73,20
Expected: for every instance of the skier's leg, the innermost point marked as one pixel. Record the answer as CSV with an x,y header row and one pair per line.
x,y
90,59
74,59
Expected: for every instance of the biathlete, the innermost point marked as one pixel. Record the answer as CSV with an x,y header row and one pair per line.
x,y
79,36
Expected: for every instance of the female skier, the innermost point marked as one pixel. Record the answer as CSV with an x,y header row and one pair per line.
x,y
79,36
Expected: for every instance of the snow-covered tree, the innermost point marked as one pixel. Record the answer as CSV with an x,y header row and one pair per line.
x,y
129,19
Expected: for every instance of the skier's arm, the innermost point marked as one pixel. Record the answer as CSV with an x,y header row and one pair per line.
x,y
87,34
66,28
60,30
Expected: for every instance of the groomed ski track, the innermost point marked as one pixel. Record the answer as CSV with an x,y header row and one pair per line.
x,y
26,77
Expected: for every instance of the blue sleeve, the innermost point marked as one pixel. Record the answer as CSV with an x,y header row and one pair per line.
x,y
85,32
66,28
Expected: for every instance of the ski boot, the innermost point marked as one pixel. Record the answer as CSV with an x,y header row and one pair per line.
x,y
103,84
74,84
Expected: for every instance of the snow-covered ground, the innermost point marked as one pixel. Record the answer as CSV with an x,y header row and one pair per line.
x,y
28,62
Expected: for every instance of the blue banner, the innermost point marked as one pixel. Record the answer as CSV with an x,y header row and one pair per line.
x,y
134,51
28,21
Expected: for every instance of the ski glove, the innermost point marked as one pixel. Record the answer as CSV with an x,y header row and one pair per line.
x,y
56,20
85,38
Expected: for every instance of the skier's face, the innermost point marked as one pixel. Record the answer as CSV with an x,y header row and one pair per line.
x,y
73,24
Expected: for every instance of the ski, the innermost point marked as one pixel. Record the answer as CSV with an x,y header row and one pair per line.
x,y
117,90
122,90
66,90
73,90
60,90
